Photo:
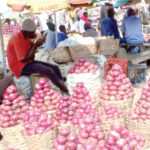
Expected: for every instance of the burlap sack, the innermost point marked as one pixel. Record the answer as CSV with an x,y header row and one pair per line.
x,y
60,55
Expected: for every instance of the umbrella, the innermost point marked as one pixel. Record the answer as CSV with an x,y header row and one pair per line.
x,y
38,6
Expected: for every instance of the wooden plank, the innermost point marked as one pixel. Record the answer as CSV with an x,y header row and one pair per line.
x,y
138,58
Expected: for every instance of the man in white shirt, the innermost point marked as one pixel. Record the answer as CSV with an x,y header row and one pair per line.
x,y
42,21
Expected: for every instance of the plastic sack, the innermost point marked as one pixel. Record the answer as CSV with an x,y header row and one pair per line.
x,y
24,83
98,60
91,82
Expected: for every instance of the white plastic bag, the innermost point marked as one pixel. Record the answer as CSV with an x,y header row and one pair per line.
x,y
91,82
98,60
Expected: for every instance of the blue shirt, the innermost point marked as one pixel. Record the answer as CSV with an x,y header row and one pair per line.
x,y
50,40
132,27
61,37
109,27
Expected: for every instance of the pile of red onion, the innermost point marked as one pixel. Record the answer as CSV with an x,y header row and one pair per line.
x,y
80,94
83,66
142,108
111,112
13,108
84,110
91,136
117,86
37,122
65,111
120,138
66,140
44,97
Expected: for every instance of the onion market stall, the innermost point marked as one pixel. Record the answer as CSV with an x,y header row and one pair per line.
x,y
97,115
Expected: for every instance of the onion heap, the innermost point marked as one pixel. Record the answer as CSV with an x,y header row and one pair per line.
x,y
83,66
84,110
13,108
37,122
66,140
111,112
44,97
91,136
117,86
142,107
120,138
64,111
81,94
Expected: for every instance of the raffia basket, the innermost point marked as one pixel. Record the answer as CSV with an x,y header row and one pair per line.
x,y
60,55
3,145
14,138
82,51
106,124
125,105
42,141
108,46
142,128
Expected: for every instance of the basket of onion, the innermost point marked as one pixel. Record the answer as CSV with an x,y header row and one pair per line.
x,y
86,72
109,115
81,94
13,110
117,89
139,118
39,130
44,98
120,138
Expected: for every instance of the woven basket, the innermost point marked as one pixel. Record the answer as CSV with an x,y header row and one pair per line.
x,y
124,105
142,128
106,124
60,55
108,46
14,138
82,51
3,145
42,141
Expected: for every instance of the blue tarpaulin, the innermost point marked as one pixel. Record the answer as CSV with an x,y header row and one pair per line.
x,y
118,3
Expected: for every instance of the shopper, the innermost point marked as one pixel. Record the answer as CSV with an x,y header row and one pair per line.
x,y
21,52
89,31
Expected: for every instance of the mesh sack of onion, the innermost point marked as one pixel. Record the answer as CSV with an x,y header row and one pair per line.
x,y
117,89
86,72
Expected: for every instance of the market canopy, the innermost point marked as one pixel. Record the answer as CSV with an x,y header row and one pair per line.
x,y
37,6
118,3
80,2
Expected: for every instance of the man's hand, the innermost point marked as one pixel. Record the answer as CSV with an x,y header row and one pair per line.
x,y
40,41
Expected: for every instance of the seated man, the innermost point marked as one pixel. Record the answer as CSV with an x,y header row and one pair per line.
x,y
132,29
109,26
62,35
90,32
21,52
